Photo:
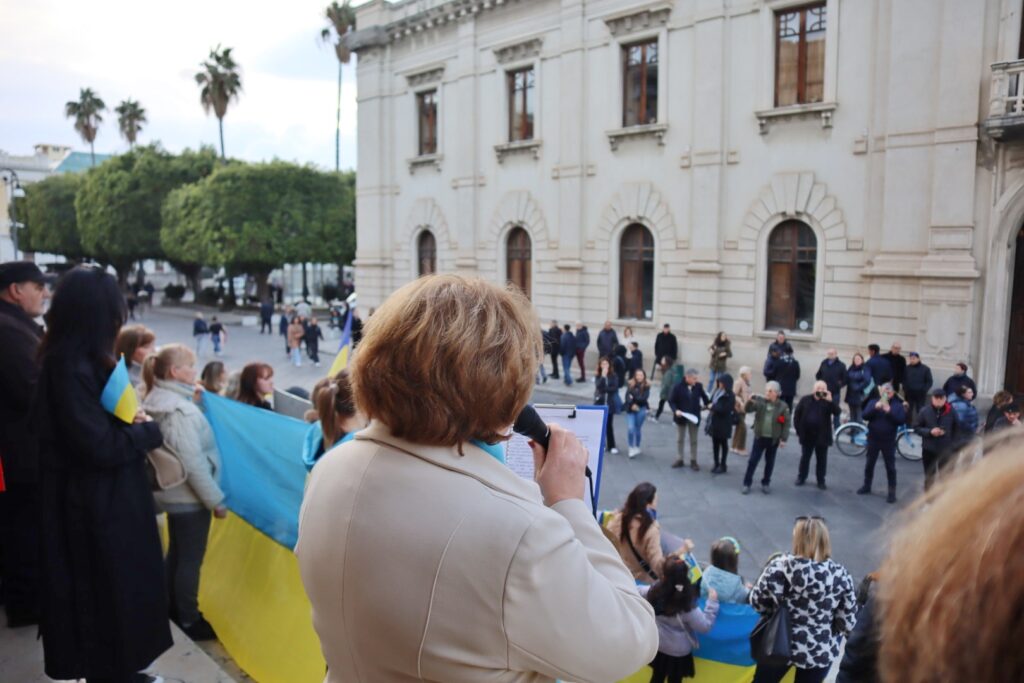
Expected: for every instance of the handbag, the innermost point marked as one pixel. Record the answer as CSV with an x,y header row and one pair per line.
x,y
769,641
165,469
643,563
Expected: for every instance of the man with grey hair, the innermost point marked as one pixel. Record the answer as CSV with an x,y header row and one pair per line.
x,y
771,429
686,400
884,416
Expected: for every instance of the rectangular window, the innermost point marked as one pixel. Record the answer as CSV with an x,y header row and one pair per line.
x,y
640,83
800,55
426,107
520,104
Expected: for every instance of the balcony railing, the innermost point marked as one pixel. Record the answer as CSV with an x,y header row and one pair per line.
x,y
1006,103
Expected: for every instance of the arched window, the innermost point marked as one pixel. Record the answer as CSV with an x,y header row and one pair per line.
x,y
426,253
792,275
518,257
636,273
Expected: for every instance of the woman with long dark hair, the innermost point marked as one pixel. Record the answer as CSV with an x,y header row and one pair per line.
x,y
639,537
606,393
104,606
255,384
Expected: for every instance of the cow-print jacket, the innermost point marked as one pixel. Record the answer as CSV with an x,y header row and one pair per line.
x,y
821,601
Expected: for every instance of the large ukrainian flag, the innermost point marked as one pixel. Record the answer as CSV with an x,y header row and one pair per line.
x,y
344,347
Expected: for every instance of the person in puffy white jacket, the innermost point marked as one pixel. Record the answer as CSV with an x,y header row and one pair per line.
x,y
170,377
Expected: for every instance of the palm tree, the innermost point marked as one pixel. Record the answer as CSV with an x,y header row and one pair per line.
x,y
340,19
221,83
87,116
130,117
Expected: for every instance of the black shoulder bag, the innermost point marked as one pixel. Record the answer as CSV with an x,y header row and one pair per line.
x,y
643,563
769,641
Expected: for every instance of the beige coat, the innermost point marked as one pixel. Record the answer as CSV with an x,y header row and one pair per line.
x,y
295,334
742,391
424,565
649,547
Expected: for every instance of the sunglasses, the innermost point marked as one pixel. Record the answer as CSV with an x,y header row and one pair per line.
x,y
807,518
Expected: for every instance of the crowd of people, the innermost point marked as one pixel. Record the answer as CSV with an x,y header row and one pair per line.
x,y
82,557
888,392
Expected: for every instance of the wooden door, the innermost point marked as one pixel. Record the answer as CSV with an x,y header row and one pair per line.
x,y
519,257
1015,344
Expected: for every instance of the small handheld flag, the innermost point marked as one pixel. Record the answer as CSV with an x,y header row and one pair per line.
x,y
118,397
344,348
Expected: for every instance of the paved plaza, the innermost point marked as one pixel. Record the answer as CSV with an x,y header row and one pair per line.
x,y
698,505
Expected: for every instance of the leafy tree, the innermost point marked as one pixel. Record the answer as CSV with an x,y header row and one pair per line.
x,y
220,83
87,113
49,207
119,203
130,117
341,19
255,218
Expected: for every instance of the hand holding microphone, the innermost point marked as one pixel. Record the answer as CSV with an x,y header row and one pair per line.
x,y
559,470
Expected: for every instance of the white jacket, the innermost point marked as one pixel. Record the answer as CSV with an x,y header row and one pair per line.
x,y
185,429
425,565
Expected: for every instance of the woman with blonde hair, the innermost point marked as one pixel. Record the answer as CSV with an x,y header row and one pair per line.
x,y
819,596
957,561
170,378
424,556
134,342
214,377
743,394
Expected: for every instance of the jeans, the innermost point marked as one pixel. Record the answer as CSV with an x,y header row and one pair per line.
x,y
855,411
567,370
554,365
216,343
265,324
682,430
542,374
888,452
712,378
296,357
768,447
314,351
200,344
772,674
720,448
932,462
820,462
187,532
580,357
635,421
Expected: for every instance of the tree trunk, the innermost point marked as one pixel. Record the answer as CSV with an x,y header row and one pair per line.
x,y
337,128
92,152
262,278
220,124
305,285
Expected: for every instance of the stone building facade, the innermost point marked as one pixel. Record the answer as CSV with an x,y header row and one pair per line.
x,y
846,169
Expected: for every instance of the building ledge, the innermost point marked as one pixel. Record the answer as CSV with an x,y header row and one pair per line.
x,y
519,147
649,130
822,109
425,160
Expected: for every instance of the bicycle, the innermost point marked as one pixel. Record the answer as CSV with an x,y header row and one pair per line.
x,y
852,440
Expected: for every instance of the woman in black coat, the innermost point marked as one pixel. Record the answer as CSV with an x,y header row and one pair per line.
x,y
606,393
812,420
103,596
723,413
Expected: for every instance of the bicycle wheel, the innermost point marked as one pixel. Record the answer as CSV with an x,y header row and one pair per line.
x,y
908,444
852,439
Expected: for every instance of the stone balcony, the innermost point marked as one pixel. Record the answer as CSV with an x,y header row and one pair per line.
x,y
1005,121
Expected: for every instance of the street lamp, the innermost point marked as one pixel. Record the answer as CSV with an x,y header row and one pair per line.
x,y
10,178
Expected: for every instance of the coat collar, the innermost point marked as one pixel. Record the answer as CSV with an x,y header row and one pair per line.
x,y
19,314
475,462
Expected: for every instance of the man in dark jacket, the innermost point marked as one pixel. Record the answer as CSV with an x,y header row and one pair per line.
x,y
898,363
812,421
23,296
832,371
917,382
582,342
884,416
636,358
936,424
881,370
607,340
553,344
686,400
568,351
665,346
267,316
780,345
787,374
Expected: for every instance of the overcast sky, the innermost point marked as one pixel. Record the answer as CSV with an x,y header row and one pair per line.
x,y
149,51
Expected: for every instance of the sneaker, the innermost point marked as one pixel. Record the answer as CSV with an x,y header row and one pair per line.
x,y
746,490
633,452
766,489
318,365
821,485
799,482
677,464
864,491
614,451
201,630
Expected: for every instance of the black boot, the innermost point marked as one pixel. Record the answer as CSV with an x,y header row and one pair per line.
x,y
891,498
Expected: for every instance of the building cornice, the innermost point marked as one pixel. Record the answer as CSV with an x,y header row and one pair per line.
x,y
412,17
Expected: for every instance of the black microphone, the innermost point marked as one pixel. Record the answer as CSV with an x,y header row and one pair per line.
x,y
532,426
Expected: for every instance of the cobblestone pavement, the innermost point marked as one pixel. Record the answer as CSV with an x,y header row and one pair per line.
x,y
698,505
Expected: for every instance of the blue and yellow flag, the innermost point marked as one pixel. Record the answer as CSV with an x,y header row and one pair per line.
x,y
344,348
118,397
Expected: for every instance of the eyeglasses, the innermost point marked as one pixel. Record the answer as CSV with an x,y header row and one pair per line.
x,y
807,518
